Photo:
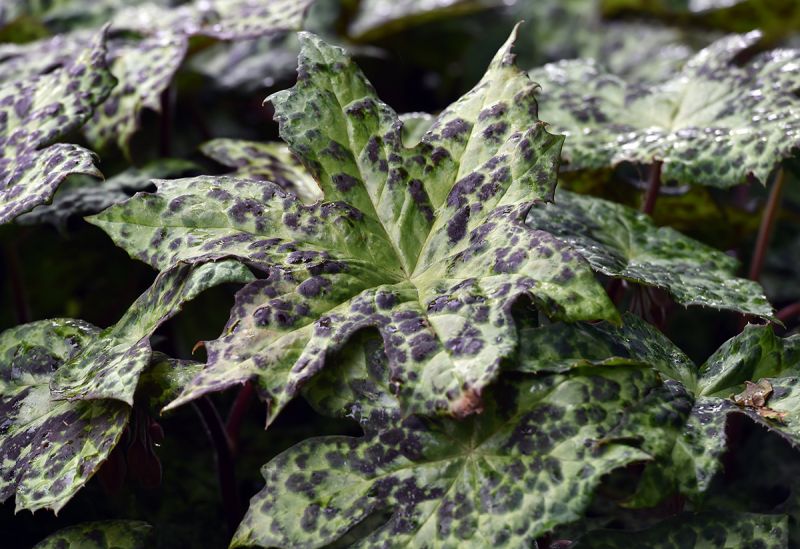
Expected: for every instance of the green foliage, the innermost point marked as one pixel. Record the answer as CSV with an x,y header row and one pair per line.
x,y
450,352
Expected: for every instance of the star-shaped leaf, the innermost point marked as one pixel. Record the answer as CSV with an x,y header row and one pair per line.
x,y
427,243
529,462
623,243
698,531
712,123
104,534
268,161
34,113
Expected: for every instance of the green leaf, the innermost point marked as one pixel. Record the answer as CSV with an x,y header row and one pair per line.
x,y
144,69
35,113
426,243
623,243
376,18
49,449
109,366
268,161
222,19
164,380
698,531
529,462
415,125
561,346
81,195
105,534
688,432
713,123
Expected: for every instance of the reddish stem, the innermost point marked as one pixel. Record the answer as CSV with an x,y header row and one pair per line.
x,y
236,416
653,186
789,312
767,225
224,457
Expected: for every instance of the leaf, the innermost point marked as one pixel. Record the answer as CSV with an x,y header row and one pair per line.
x,y
698,530
529,462
49,449
415,125
222,19
35,114
164,380
376,18
109,367
713,123
426,243
561,346
79,197
623,243
689,430
105,534
145,69
267,161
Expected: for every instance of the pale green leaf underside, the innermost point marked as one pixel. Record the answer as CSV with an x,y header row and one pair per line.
x,y
106,534
426,243
621,242
35,113
713,123
501,478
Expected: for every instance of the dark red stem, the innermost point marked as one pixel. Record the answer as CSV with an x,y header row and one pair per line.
x,y
789,312
653,186
767,225
236,416
225,469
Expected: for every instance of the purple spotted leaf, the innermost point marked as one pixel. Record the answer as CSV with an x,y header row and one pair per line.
x,y
425,243
621,242
81,195
48,448
34,113
529,462
715,122
687,426
222,19
109,366
104,534
268,161
724,530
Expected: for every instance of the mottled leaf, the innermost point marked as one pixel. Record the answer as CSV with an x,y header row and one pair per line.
x,y
561,346
698,531
713,123
375,18
49,449
34,113
268,161
415,125
223,19
164,380
426,243
81,195
144,69
621,242
109,366
529,462
106,534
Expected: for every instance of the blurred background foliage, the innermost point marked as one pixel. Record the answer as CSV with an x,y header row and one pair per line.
x,y
421,55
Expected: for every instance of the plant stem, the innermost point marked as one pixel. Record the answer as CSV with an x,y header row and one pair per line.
x,y
225,469
653,186
18,293
767,225
789,312
167,104
236,416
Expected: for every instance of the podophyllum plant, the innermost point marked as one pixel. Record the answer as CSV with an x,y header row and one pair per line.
x,y
417,276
